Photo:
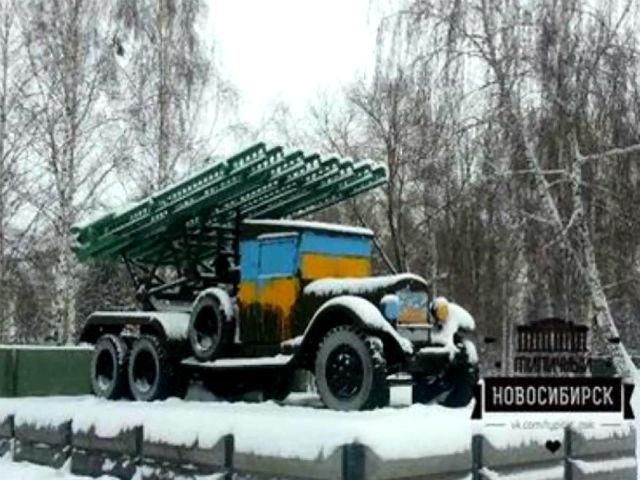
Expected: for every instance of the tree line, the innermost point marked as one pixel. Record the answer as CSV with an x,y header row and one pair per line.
x,y
510,128
98,99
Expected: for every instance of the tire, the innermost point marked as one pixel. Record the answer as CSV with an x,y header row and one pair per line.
x,y
350,370
210,332
425,390
109,368
151,373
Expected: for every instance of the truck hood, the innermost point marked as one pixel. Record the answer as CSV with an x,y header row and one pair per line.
x,y
363,285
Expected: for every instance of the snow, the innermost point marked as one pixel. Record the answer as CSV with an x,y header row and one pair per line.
x,y
545,473
333,286
400,431
225,300
449,349
605,465
175,324
391,432
457,318
277,360
472,351
368,313
389,298
83,347
330,227
292,342
27,471
272,236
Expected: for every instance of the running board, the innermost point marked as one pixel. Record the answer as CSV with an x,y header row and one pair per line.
x,y
277,361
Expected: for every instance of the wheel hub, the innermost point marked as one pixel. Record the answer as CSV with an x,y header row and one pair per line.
x,y
345,372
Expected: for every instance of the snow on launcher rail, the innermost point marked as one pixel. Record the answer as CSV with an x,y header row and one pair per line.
x,y
259,182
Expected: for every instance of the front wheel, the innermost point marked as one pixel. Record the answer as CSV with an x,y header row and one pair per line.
x,y
351,370
210,331
462,381
453,389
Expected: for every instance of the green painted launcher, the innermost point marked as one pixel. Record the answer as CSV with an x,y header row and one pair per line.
x,y
190,220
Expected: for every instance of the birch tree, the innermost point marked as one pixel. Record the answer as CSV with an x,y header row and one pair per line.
x,y
69,58
15,134
535,87
563,68
170,87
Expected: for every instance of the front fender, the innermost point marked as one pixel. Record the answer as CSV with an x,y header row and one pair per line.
x,y
223,298
349,309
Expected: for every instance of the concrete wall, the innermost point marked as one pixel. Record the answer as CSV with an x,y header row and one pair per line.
x,y
577,458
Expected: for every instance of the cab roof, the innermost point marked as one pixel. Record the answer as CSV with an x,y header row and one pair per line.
x,y
272,226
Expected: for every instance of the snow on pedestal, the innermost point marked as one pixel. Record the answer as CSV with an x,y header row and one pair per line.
x,y
282,439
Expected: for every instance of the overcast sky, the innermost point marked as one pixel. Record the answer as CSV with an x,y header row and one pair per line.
x,y
289,50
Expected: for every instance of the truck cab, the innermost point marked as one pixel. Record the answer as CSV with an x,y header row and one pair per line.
x,y
278,259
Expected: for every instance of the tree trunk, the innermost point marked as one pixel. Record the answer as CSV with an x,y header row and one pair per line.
x,y
65,288
4,297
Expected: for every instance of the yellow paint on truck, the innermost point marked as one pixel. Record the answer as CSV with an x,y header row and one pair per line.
x,y
316,265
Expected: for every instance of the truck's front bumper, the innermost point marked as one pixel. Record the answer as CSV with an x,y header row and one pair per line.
x,y
429,361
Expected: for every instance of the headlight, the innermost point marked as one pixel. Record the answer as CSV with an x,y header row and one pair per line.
x,y
440,309
390,306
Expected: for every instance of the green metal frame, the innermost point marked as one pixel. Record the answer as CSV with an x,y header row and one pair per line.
x,y
193,219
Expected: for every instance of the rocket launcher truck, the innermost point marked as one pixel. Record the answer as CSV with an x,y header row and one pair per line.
x,y
236,292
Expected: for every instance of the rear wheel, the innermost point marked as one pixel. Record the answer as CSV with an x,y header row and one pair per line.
x,y
350,370
151,373
109,368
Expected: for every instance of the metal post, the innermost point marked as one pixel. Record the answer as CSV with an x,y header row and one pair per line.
x,y
353,464
139,436
568,470
476,457
229,446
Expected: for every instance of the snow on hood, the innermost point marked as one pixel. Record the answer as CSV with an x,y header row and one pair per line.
x,y
333,286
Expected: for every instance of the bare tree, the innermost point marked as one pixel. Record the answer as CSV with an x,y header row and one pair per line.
x,y
170,88
69,59
15,133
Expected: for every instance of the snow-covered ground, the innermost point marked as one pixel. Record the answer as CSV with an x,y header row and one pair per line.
x,y
300,426
25,471
282,429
